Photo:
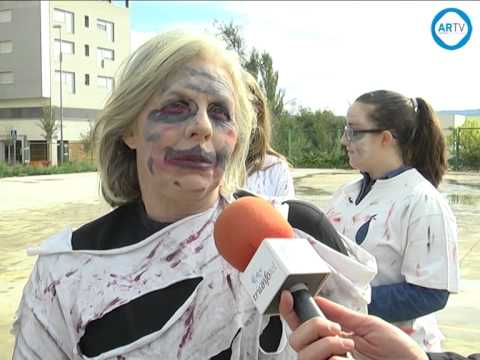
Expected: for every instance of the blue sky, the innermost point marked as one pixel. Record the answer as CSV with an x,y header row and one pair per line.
x,y
328,53
151,16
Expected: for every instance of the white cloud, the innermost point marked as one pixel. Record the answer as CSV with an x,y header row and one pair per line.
x,y
328,53
137,38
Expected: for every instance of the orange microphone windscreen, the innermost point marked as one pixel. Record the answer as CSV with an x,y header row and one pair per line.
x,y
243,225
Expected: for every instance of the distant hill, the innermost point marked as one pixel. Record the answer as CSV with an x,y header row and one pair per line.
x,y
474,112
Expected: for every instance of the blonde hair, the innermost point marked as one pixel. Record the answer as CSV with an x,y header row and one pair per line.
x,y
141,76
261,137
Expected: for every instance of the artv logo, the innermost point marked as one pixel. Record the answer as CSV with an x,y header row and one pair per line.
x,y
451,28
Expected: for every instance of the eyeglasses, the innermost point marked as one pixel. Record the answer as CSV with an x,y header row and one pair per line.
x,y
356,134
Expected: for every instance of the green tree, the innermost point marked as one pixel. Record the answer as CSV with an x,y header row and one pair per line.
x,y
88,140
260,65
49,126
269,83
282,130
308,138
311,138
230,34
252,63
466,139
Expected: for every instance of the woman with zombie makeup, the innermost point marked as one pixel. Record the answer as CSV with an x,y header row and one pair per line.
x,y
146,280
396,212
268,171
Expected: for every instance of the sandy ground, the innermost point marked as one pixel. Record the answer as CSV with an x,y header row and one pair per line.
x,y
32,208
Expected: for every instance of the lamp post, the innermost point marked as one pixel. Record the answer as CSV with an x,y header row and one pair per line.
x,y
59,27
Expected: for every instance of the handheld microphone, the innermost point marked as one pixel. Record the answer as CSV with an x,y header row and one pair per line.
x,y
254,238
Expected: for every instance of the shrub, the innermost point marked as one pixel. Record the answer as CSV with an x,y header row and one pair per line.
x,y
66,168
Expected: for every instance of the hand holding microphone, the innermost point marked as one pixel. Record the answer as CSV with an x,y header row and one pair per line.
x,y
255,239
369,336
320,339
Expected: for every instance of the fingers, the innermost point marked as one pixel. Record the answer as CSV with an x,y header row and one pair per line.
x,y
311,331
286,310
327,348
347,318
317,338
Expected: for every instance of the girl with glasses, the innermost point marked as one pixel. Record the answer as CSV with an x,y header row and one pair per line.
x,y
396,212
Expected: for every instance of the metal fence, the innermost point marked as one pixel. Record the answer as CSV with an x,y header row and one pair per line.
x,y
463,146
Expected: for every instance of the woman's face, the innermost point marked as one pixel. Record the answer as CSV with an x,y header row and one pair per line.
x,y
187,132
363,148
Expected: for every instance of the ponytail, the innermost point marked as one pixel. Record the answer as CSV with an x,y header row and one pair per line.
x,y
414,124
427,150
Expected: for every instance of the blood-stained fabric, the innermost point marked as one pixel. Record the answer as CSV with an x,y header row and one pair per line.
x,y
68,289
410,229
274,179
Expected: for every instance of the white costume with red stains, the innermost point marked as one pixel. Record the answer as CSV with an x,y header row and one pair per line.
x,y
412,233
68,289
274,179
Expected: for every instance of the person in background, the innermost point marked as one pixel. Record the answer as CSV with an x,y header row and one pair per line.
x,y
268,171
366,337
396,212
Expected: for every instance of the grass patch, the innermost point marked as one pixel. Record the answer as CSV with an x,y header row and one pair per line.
x,y
27,170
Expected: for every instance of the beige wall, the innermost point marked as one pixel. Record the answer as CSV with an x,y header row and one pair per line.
x,y
72,129
91,96
29,102
33,36
40,14
448,121
451,120
77,152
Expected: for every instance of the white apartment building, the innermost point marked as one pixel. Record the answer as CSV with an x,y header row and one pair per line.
x,y
92,37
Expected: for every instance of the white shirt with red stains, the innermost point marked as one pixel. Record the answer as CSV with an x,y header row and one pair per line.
x,y
412,233
68,289
274,179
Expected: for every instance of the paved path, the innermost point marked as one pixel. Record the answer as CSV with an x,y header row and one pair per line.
x,y
44,190
31,208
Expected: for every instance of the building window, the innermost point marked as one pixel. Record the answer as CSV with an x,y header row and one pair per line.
x,y
105,82
65,18
6,47
87,50
87,79
68,47
107,28
87,21
5,16
6,77
104,54
68,81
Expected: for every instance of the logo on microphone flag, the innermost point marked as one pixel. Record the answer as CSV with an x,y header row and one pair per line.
x,y
264,280
279,264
